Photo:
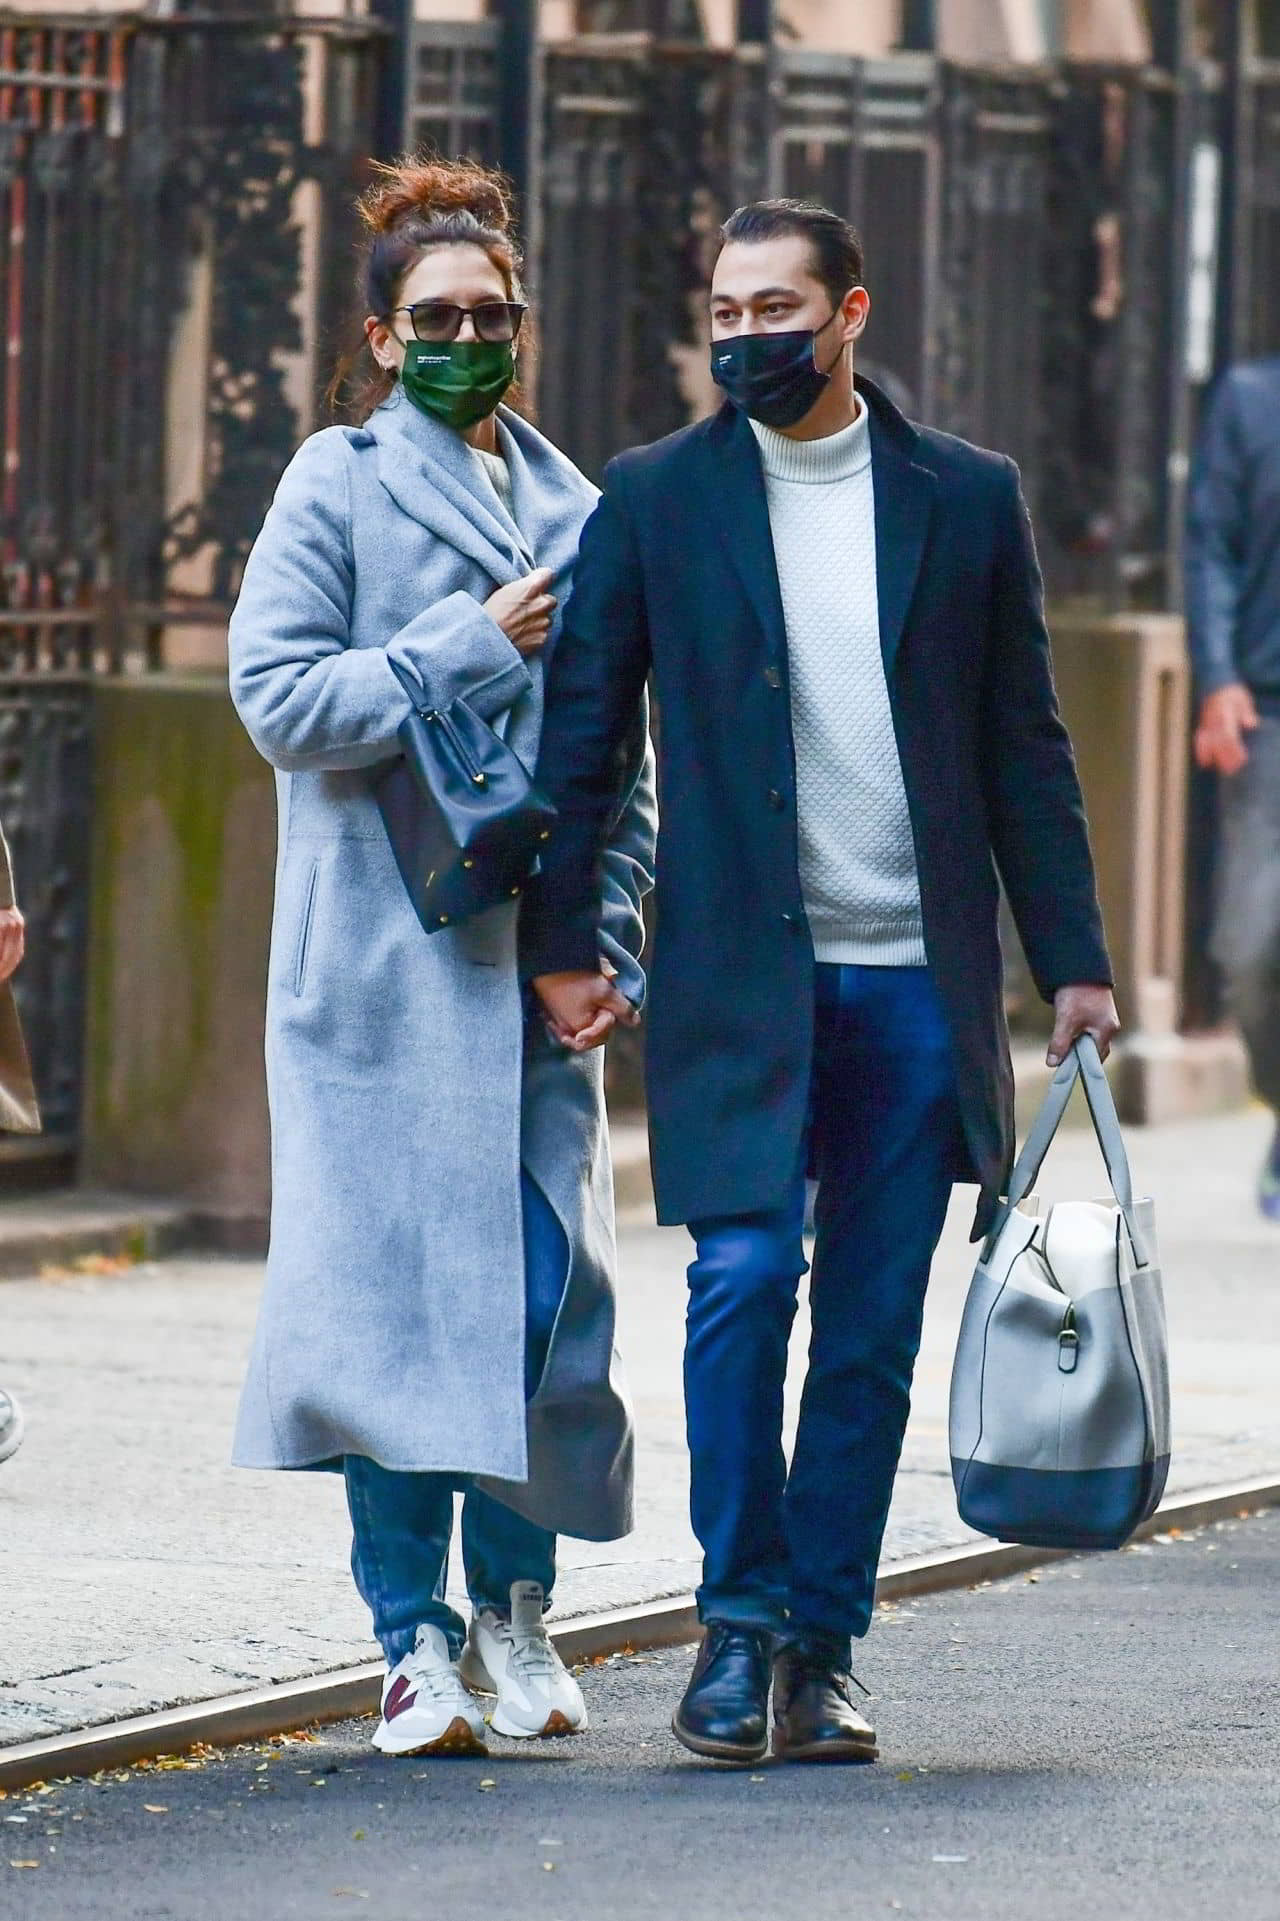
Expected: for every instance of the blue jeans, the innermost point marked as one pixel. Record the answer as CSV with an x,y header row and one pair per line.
x,y
402,1524
797,1552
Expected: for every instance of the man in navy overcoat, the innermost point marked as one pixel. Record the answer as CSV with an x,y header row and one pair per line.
x,y
858,731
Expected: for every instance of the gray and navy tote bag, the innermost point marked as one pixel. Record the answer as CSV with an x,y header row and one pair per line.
x,y
1060,1390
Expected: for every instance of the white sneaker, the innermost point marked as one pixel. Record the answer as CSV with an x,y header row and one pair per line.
x,y
425,1708
516,1660
11,1425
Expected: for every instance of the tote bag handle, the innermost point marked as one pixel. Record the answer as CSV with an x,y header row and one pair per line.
x,y
1083,1064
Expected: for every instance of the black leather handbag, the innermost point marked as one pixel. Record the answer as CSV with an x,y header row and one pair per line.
x,y
464,819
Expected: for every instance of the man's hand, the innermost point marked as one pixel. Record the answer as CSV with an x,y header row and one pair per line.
x,y
13,941
1225,718
1082,1010
582,1009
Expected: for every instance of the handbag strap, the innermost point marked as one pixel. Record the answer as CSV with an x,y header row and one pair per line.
x,y
1083,1064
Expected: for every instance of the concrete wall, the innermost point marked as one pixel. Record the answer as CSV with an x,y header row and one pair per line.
x,y
183,859
184,822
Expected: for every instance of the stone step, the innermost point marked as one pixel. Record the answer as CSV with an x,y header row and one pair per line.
x,y
56,1230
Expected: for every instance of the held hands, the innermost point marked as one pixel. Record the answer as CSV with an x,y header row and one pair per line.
x,y
1225,718
581,1010
1082,1010
524,609
13,941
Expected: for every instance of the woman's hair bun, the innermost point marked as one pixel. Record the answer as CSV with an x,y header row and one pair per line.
x,y
413,189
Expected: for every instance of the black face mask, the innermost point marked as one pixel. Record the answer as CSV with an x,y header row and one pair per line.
x,y
774,377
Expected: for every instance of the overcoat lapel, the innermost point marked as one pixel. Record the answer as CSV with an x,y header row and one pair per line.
x,y
437,488
904,494
551,500
736,499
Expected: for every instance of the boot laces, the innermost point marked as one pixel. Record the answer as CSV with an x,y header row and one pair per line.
x,y
813,1666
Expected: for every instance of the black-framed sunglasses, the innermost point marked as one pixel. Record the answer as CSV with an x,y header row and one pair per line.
x,y
438,320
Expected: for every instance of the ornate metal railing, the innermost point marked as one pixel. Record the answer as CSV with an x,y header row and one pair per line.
x,y
175,258
174,253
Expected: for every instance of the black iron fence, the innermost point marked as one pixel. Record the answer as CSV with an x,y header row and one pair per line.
x,y
174,229
1025,234
175,268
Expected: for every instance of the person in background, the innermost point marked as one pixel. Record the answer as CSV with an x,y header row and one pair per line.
x,y
19,1113
439,1310
1233,630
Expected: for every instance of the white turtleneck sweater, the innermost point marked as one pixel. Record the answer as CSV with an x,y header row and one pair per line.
x,y
857,855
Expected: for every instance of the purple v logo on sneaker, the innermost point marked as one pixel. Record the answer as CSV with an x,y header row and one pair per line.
x,y
402,1695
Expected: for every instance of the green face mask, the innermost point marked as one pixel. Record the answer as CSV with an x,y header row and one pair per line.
x,y
458,381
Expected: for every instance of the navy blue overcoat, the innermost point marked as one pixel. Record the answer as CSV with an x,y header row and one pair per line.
x,y
677,578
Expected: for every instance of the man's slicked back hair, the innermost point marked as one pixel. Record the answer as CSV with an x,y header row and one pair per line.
x,y
833,242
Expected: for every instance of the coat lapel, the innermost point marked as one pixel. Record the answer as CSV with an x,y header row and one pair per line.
x,y
552,500
737,501
904,495
428,470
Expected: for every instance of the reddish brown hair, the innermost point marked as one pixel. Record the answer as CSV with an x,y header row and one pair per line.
x,y
413,204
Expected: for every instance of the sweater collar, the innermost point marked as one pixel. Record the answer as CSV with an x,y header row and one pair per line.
x,y
816,462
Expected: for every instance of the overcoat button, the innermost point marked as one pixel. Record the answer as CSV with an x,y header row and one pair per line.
x,y
776,800
772,678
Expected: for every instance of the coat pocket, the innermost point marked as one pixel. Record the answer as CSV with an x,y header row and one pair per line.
x,y
304,931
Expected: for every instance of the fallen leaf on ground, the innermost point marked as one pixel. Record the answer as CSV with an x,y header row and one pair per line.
x,y
154,1807
104,1263
24,1864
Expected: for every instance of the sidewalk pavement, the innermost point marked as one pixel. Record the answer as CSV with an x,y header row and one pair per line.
x,y
139,1571
1069,1742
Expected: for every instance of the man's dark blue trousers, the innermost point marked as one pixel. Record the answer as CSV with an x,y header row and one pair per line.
x,y
797,1552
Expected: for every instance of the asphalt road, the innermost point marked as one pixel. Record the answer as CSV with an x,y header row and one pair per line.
x,y
1103,1738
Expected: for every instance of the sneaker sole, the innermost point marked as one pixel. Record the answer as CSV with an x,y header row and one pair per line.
x,y
718,1750
557,1727
459,1738
851,1750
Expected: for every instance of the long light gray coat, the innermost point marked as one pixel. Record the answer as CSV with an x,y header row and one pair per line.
x,y
404,1096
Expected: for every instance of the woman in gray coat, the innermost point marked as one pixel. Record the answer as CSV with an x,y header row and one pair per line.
x,y
439,1310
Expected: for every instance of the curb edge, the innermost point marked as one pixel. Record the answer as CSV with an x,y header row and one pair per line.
x,y
336,1696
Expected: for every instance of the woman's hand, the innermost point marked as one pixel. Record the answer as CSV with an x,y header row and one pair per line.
x,y
524,610
13,941
581,1010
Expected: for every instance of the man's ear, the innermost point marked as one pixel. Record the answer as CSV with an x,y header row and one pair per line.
x,y
856,308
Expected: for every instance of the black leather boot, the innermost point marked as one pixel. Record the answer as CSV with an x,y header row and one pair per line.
x,y
814,1718
725,1711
